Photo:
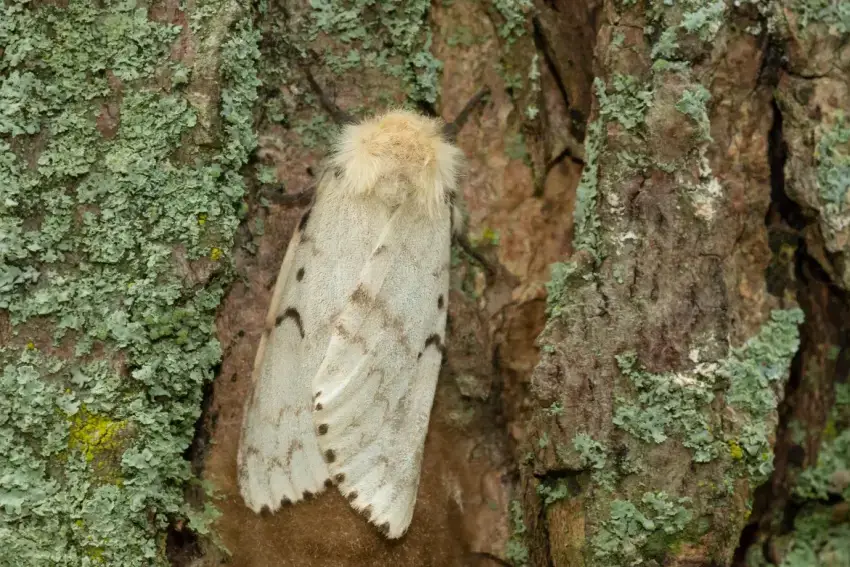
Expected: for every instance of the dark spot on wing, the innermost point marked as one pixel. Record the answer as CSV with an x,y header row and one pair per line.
x,y
300,274
302,224
367,511
317,394
323,428
330,456
307,495
435,340
265,511
352,496
339,477
319,407
385,528
379,250
285,502
361,296
291,312
440,302
328,483
337,172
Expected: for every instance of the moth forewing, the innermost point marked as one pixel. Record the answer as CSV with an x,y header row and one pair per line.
x,y
346,382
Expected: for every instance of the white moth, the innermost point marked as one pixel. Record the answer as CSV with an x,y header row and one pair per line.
x,y
346,370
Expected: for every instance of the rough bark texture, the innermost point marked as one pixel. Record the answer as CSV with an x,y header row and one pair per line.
x,y
122,131
656,373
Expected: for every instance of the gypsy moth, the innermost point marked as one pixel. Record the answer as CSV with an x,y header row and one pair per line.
x,y
346,370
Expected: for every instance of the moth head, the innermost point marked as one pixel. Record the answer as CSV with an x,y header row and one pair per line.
x,y
398,156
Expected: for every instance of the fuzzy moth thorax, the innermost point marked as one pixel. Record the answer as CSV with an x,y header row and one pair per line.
x,y
398,156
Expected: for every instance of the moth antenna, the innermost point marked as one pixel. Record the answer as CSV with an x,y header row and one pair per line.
x,y
339,116
470,251
451,130
427,108
275,194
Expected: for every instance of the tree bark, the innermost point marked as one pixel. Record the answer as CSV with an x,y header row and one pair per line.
x,y
655,374
123,128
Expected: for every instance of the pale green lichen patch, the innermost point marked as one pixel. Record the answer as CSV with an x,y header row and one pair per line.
x,y
626,100
593,456
552,491
833,13
749,379
818,539
585,216
832,156
633,533
667,404
830,476
514,14
516,551
557,288
693,103
99,194
393,37
674,24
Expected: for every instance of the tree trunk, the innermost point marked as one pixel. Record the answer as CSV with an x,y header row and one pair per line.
x,y
124,128
655,374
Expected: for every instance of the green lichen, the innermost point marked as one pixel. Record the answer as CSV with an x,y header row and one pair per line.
x,y
667,404
91,467
564,276
833,167
829,478
693,104
631,533
672,24
516,551
833,13
593,455
392,37
678,403
552,491
514,14
625,100
585,215
555,409
818,540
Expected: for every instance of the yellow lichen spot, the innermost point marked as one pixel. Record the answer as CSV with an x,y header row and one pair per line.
x,y
215,254
829,431
95,554
735,450
92,434
202,219
787,252
30,345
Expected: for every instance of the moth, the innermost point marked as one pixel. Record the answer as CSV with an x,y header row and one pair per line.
x,y
346,369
